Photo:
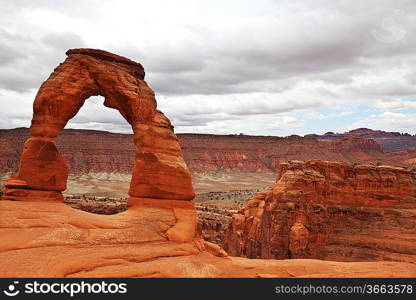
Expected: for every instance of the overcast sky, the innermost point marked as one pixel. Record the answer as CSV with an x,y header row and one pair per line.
x,y
253,67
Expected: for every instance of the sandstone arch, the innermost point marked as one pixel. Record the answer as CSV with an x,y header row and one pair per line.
x,y
159,171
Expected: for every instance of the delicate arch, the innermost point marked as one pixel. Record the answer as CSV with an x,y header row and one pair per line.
x,y
159,170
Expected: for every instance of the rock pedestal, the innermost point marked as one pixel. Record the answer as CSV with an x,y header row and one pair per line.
x,y
42,173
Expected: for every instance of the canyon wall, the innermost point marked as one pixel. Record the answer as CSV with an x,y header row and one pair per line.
x,y
332,211
406,156
90,151
206,152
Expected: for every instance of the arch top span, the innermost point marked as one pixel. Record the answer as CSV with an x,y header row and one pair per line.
x,y
108,56
86,73
159,170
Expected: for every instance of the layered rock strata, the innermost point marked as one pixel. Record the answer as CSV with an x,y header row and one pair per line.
x,y
92,151
332,211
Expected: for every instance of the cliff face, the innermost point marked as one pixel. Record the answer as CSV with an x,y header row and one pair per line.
x,y
85,151
331,211
90,151
407,156
204,152
11,146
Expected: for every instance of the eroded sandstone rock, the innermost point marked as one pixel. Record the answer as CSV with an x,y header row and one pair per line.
x,y
159,169
329,210
40,239
154,237
42,166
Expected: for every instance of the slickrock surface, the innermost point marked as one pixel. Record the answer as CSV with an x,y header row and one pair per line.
x,y
331,211
154,238
213,220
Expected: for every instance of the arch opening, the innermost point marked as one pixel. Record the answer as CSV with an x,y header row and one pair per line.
x,y
97,175
94,115
159,170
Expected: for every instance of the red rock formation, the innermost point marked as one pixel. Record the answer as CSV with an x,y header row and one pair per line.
x,y
159,169
90,151
154,238
407,156
329,210
39,156
258,154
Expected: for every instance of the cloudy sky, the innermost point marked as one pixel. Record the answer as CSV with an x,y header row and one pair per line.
x,y
253,67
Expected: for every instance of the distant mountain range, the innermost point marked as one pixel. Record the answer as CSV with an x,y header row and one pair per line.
x,y
387,140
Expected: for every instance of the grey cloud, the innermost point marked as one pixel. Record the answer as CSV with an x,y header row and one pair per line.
x,y
267,48
274,109
330,41
73,8
201,119
122,128
387,88
8,52
94,111
26,62
394,104
63,41
335,51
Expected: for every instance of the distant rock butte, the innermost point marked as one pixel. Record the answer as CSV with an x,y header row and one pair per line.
x,y
331,211
387,140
